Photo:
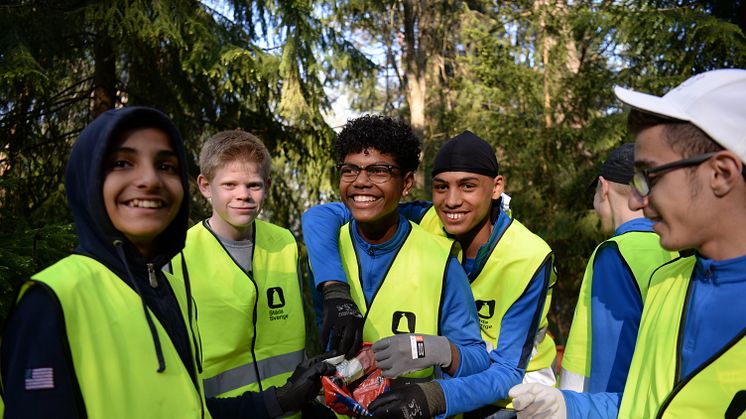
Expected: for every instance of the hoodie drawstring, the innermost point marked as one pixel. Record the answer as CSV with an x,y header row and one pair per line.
x,y
188,288
118,245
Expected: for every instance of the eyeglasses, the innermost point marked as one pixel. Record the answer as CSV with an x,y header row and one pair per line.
x,y
377,173
641,180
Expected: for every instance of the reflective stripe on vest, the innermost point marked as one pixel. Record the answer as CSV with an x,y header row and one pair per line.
x,y
511,265
642,253
653,387
112,348
245,374
418,270
227,301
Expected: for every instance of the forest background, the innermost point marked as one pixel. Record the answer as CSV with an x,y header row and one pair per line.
x,y
534,78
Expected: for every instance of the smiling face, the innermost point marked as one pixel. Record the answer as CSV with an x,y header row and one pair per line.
x,y
142,189
463,201
374,206
673,204
236,192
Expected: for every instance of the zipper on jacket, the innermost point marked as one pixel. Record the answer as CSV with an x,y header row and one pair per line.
x,y
151,276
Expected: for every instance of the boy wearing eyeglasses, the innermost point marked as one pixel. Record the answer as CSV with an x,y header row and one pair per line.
x,y
406,289
604,329
690,151
510,270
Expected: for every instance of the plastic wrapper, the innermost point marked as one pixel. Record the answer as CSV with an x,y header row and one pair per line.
x,y
355,384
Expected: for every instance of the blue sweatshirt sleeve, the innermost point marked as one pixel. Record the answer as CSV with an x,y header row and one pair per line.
x,y
35,338
321,224
509,359
616,307
591,405
459,321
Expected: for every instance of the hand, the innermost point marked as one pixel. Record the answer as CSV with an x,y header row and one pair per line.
x,y
411,401
342,320
538,401
400,354
304,384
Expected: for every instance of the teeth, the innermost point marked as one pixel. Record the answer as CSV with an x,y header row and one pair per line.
x,y
144,203
363,198
455,216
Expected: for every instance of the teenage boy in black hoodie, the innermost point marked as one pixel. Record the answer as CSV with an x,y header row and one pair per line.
x,y
104,332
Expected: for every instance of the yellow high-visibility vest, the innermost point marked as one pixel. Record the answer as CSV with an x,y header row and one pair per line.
x,y
654,387
252,325
409,298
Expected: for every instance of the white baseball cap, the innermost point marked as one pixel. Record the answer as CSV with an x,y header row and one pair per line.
x,y
714,101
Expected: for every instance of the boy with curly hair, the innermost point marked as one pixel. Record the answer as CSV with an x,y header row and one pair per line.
x,y
510,270
406,288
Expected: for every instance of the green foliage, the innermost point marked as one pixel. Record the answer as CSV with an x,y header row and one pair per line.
x,y
535,79
28,248
62,63
532,77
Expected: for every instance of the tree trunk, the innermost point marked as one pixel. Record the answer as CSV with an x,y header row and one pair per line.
x,y
415,46
104,75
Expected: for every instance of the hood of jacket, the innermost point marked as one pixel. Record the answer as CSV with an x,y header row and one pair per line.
x,y
84,181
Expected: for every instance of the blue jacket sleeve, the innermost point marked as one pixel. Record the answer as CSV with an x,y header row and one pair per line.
x,y
616,307
35,338
509,359
591,406
321,224
459,321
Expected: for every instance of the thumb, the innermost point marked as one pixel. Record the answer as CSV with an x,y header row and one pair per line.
x,y
325,368
523,395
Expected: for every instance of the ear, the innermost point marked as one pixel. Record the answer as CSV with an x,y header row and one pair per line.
x,y
498,187
407,183
726,172
267,183
603,188
204,186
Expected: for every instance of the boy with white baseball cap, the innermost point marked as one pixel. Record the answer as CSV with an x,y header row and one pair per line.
x,y
691,345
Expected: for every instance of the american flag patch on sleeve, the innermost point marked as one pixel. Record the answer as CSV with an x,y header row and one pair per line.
x,y
39,378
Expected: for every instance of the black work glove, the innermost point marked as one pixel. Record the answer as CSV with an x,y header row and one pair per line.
x,y
343,323
410,401
304,384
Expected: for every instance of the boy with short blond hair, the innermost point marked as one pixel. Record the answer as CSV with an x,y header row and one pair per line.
x,y
245,275
227,146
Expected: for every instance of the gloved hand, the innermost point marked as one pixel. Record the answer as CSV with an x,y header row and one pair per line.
x,y
400,354
304,384
411,401
342,320
538,401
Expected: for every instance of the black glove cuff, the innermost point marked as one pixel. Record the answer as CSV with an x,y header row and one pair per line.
x,y
436,399
272,402
334,289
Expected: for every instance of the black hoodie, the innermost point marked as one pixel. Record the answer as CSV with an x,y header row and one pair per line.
x,y
36,336
97,236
